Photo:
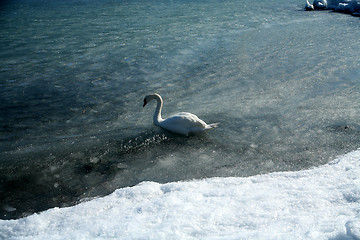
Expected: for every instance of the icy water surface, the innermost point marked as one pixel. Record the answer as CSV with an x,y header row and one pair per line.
x,y
282,82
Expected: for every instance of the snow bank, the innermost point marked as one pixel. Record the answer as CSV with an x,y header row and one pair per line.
x,y
320,203
347,6
350,6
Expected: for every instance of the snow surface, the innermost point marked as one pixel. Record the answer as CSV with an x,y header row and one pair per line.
x,y
320,203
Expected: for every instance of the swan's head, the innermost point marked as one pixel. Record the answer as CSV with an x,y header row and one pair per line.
x,y
145,101
148,98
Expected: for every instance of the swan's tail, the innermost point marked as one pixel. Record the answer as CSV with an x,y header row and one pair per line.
x,y
211,126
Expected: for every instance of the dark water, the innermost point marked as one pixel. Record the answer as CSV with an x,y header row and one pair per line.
x,y
282,82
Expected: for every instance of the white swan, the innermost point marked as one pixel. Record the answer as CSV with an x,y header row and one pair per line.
x,y
183,123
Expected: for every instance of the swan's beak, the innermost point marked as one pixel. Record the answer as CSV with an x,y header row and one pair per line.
x,y
145,102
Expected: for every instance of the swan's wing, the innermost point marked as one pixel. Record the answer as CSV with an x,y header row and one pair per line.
x,y
186,120
183,123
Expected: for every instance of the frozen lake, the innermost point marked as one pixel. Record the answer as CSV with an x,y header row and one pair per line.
x,y
282,82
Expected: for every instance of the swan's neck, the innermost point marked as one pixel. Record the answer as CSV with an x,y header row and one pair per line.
x,y
157,115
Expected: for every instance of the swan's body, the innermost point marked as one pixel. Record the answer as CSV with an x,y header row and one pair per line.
x,y
183,123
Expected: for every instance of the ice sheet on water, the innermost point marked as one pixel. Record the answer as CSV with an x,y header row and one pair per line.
x,y
320,203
